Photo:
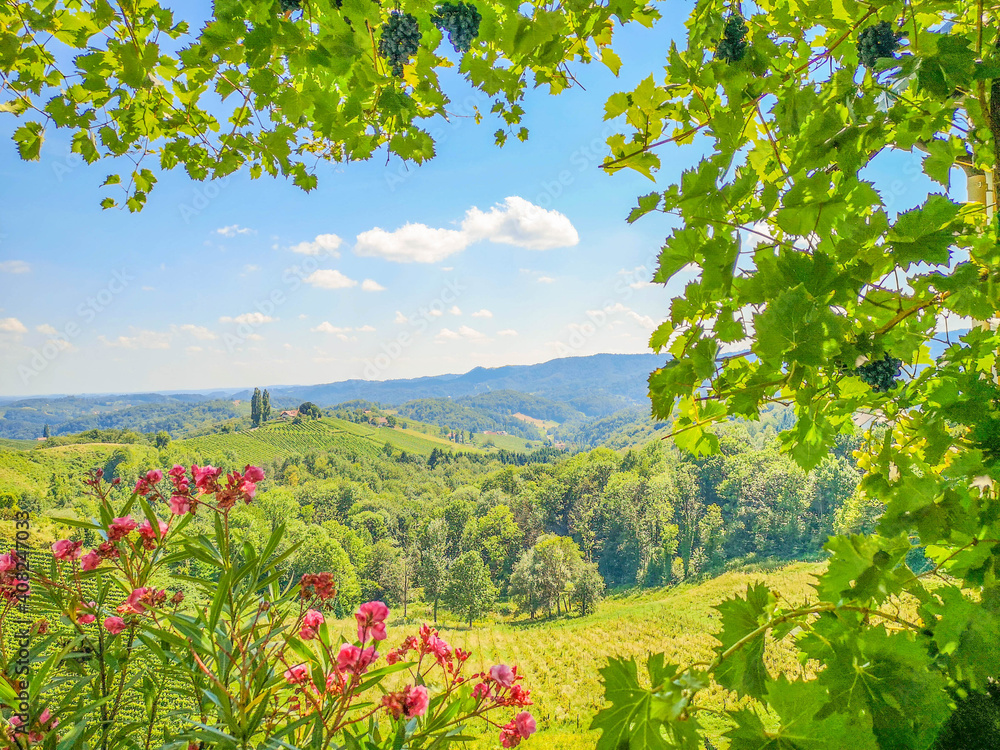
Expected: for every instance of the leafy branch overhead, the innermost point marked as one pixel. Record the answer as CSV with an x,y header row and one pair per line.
x,y
810,286
278,86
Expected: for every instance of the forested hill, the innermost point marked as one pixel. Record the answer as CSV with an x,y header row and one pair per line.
x,y
596,385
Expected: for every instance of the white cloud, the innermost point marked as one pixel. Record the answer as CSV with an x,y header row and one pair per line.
x,y
250,318
618,308
324,244
12,325
14,266
484,313
327,327
516,222
370,285
328,278
507,332
139,339
521,223
545,280
149,289
434,312
233,229
199,332
463,333
455,310
47,329
366,329
411,243
250,268
400,318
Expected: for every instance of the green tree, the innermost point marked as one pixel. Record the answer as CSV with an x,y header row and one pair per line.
x,y
810,290
255,407
309,410
162,439
588,587
470,593
265,406
433,562
46,432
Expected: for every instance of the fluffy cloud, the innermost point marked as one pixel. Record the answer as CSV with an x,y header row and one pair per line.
x,y
47,329
250,319
484,313
139,338
366,329
618,308
455,310
411,243
516,222
199,332
327,327
370,285
324,244
328,278
400,318
545,280
14,266
507,332
521,223
12,325
464,333
232,230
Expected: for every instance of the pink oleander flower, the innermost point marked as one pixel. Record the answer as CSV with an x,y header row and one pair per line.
x,y
88,616
206,478
8,562
146,529
64,549
135,603
253,474
354,660
45,717
247,489
91,560
297,674
415,700
335,682
503,675
525,724
114,625
392,657
371,621
310,624
480,691
509,736
121,528
181,504
154,475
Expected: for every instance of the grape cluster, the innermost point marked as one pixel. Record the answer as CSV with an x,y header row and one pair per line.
x,y
461,21
876,42
733,46
290,5
400,40
881,374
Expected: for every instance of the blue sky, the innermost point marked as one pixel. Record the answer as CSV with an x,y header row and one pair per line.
x,y
519,255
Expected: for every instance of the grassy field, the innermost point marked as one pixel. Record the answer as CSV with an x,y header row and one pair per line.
x,y
30,470
560,658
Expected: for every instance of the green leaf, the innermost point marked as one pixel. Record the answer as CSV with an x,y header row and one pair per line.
x,y
29,139
627,722
742,636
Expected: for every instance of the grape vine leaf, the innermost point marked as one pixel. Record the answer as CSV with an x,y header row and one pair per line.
x,y
799,728
743,669
628,723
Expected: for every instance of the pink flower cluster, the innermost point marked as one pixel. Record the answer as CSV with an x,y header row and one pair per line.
x,y
371,618
207,481
409,702
431,644
499,686
310,625
320,585
36,734
521,728
11,585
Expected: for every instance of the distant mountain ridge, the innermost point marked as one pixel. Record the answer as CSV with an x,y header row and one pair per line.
x,y
595,384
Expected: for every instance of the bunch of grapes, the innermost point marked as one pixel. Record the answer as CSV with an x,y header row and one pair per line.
x,y
400,40
876,42
733,46
881,374
461,21
290,5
